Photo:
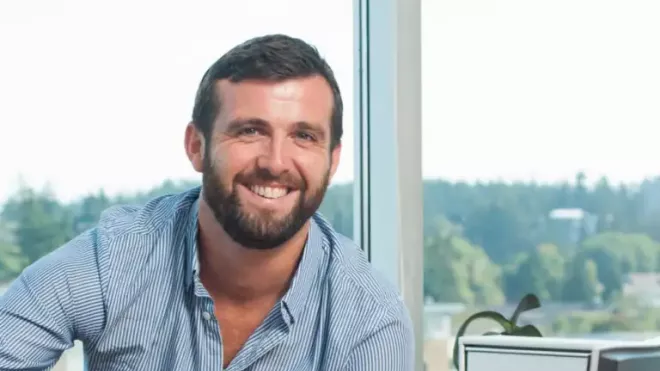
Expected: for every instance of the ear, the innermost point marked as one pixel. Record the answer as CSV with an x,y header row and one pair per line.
x,y
335,155
195,147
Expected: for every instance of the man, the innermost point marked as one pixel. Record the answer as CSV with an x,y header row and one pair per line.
x,y
240,274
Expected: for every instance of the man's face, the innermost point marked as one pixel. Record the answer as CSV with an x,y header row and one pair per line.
x,y
267,164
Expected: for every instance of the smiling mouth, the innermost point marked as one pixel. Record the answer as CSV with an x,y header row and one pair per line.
x,y
269,192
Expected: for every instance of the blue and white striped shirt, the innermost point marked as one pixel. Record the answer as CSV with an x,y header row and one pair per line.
x,y
129,290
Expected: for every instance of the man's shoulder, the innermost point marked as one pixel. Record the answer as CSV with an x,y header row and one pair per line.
x,y
158,213
119,234
132,240
355,280
134,245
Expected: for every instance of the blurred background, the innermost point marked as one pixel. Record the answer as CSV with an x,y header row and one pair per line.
x,y
539,147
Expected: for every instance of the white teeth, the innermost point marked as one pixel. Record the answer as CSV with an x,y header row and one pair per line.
x,y
268,192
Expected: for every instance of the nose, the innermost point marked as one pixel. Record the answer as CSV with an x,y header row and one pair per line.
x,y
274,157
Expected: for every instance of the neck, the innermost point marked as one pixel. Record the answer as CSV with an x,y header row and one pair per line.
x,y
238,274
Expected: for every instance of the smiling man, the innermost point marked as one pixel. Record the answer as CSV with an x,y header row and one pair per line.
x,y
239,274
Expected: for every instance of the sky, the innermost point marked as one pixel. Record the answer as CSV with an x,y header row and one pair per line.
x,y
98,96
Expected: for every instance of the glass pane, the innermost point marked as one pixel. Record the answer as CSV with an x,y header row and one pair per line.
x,y
95,99
540,166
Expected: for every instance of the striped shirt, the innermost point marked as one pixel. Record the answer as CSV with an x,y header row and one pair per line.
x,y
129,289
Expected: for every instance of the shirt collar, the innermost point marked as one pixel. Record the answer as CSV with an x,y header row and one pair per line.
x,y
308,275
310,272
192,265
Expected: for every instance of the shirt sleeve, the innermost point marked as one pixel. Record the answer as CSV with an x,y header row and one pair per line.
x,y
55,301
391,347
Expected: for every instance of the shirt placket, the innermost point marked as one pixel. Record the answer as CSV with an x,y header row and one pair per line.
x,y
210,339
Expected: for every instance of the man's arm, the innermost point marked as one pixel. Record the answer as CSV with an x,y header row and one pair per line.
x,y
53,302
391,347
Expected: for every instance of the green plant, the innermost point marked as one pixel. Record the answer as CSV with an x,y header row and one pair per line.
x,y
510,326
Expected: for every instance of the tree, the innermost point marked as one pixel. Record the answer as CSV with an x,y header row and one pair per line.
x,y
615,255
500,230
604,204
89,211
541,272
583,284
457,271
42,224
581,194
11,261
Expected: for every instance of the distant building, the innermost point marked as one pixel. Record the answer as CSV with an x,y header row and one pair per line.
x,y
644,287
571,226
438,334
437,319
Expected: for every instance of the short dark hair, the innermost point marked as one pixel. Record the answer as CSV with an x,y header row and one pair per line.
x,y
273,58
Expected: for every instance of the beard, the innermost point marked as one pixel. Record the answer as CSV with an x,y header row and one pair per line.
x,y
260,229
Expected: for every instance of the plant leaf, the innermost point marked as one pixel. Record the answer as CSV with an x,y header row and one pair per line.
x,y
529,302
488,314
527,330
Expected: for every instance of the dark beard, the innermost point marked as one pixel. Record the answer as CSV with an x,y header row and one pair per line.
x,y
259,230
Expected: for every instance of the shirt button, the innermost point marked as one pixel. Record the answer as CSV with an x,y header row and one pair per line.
x,y
206,315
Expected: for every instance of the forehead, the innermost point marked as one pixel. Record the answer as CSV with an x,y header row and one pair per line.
x,y
307,99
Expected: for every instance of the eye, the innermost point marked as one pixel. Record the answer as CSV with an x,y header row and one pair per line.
x,y
250,131
305,136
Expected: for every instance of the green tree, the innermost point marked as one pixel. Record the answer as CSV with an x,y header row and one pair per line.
x,y
42,223
615,255
582,284
87,213
541,272
500,230
457,271
12,261
581,194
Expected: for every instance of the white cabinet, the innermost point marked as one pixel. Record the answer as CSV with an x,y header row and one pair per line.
x,y
514,353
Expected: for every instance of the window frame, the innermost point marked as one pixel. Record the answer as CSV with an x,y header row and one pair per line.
x,y
388,191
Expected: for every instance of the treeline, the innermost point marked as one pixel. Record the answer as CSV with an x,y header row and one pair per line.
x,y
484,242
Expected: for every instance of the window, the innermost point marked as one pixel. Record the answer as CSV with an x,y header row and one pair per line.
x,y
388,41
95,99
539,169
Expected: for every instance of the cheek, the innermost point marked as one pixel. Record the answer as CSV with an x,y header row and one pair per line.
x,y
230,160
314,169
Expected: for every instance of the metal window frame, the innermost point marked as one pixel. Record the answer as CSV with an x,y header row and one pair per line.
x,y
388,157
